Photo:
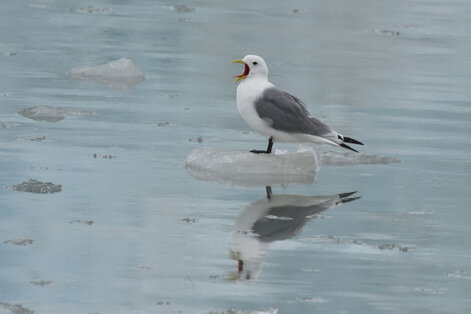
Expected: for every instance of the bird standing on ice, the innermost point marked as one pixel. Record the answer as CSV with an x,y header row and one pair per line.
x,y
276,114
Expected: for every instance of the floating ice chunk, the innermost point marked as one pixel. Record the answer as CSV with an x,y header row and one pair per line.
x,y
40,282
233,310
92,10
181,8
403,248
22,242
83,222
35,186
33,139
15,308
249,169
353,159
307,298
52,114
120,74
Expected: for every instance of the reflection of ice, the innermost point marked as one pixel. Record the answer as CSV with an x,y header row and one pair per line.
x,y
352,159
249,169
255,227
52,114
120,74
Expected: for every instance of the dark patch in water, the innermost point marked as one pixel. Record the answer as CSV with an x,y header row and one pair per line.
x,y
190,220
233,310
104,156
387,32
162,303
399,247
147,268
22,242
199,139
16,308
83,222
51,114
35,186
40,282
33,139
92,10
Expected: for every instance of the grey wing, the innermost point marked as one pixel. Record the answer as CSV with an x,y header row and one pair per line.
x,y
287,113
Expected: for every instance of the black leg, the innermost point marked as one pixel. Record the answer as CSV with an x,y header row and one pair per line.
x,y
268,188
268,151
270,145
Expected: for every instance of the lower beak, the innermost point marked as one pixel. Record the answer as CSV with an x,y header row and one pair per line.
x,y
243,75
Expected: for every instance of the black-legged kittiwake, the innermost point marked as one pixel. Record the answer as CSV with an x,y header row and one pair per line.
x,y
276,114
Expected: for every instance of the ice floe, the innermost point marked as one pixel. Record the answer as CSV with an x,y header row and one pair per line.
x,y
281,168
52,114
92,10
21,242
40,282
181,8
249,169
120,74
15,308
233,310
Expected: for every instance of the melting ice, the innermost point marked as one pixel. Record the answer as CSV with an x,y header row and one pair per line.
x,y
249,169
120,74
281,168
52,114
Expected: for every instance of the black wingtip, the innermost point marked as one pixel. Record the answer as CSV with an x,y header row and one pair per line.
x,y
347,147
344,195
351,140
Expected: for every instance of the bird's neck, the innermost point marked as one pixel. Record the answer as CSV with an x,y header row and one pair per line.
x,y
255,82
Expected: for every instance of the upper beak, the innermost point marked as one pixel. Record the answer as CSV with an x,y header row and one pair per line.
x,y
246,70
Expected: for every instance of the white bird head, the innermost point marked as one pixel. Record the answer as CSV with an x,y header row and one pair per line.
x,y
255,67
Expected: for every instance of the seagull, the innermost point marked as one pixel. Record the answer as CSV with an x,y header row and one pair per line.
x,y
279,116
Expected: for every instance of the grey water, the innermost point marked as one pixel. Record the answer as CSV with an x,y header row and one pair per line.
x,y
98,213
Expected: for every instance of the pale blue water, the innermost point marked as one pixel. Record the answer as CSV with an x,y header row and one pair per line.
x,y
393,74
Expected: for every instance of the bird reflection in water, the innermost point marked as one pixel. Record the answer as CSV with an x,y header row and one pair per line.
x,y
274,218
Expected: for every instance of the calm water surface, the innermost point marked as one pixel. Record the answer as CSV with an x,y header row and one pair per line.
x,y
133,232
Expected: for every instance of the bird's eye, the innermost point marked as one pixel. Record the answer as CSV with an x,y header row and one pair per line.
x,y
254,63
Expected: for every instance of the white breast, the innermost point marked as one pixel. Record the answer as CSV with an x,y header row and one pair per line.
x,y
248,92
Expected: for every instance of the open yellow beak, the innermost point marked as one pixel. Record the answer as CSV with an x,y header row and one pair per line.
x,y
246,70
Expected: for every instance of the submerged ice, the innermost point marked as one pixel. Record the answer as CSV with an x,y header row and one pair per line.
x,y
353,159
52,114
120,74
